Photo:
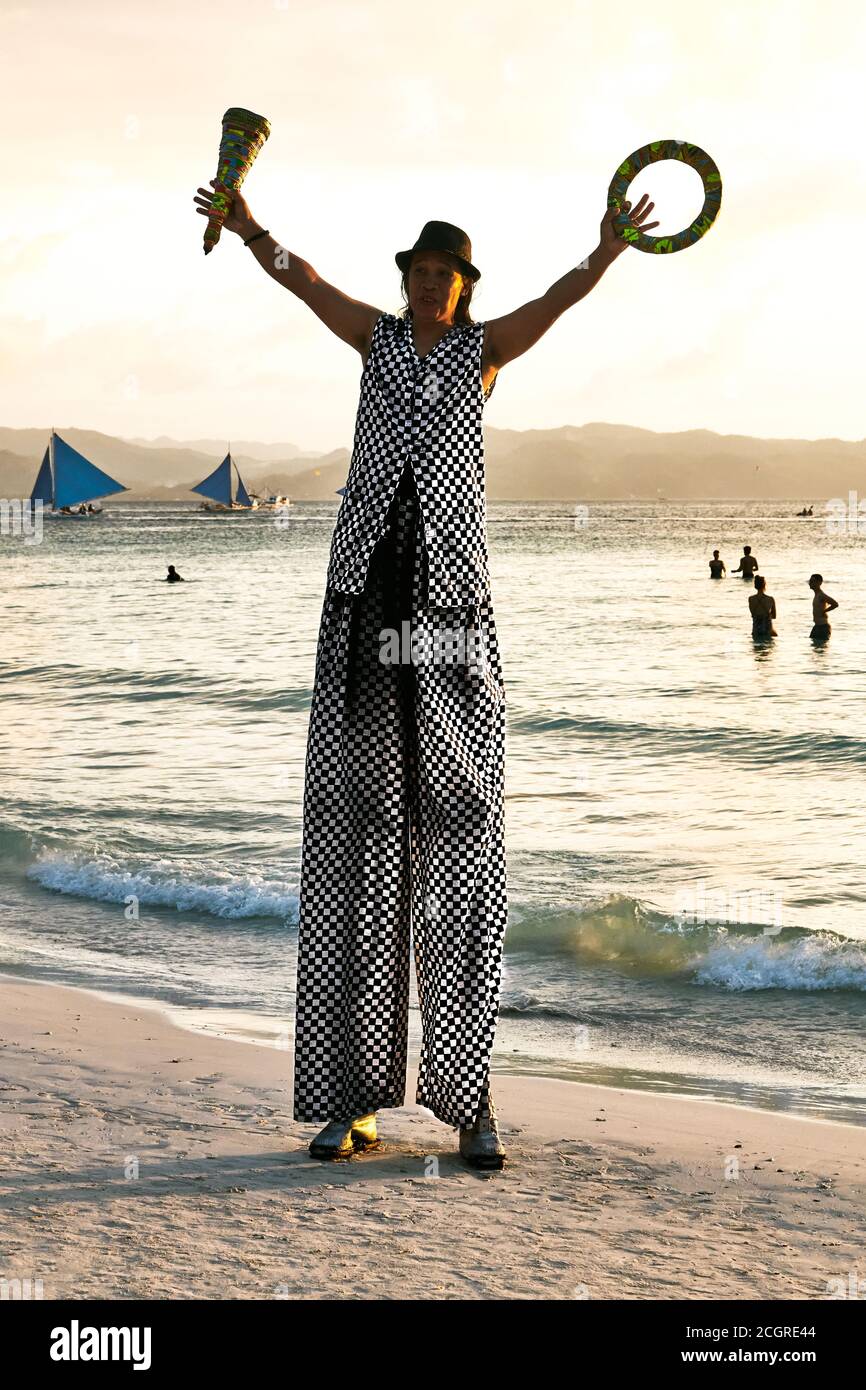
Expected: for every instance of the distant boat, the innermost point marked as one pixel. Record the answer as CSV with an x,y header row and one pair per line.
x,y
225,494
66,479
269,503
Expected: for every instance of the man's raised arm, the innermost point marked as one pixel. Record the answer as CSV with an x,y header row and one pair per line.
x,y
513,334
350,319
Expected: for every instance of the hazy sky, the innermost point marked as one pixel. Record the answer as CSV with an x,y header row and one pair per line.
x,y
505,118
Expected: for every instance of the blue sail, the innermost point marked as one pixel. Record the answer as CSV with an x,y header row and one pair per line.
x,y
76,479
42,487
218,484
242,495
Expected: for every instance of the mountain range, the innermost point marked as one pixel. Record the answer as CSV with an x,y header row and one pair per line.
x,y
572,463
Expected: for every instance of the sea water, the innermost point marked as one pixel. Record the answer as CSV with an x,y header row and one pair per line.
x,y
685,814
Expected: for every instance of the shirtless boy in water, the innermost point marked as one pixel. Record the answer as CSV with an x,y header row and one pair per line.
x,y
822,604
748,564
763,609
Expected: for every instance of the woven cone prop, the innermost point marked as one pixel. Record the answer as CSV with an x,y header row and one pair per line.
x,y
244,133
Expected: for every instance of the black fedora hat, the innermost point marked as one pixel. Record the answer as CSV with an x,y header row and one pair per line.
x,y
442,236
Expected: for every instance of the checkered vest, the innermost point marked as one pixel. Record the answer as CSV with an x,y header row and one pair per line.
x,y
429,413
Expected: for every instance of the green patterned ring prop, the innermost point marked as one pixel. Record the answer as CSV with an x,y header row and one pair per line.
x,y
650,154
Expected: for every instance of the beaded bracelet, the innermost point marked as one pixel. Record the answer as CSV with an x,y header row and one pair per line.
x,y
255,237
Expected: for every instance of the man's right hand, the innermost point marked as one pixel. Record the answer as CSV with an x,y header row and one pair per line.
x,y
238,219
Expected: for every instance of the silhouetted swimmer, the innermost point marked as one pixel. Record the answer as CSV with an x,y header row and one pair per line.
x,y
748,564
763,609
717,566
822,604
173,577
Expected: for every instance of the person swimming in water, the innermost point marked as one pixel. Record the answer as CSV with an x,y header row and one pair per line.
x,y
822,604
717,566
173,577
748,564
763,609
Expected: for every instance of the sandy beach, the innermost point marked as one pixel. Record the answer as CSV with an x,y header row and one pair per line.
x,y
145,1161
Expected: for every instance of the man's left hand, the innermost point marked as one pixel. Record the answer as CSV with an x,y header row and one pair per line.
x,y
610,241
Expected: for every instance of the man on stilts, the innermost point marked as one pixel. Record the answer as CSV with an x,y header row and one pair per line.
x,y
403,796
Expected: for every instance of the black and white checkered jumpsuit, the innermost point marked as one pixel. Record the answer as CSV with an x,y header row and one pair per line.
x,y
403,794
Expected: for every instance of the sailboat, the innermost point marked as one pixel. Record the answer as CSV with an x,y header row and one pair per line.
x,y
220,488
66,479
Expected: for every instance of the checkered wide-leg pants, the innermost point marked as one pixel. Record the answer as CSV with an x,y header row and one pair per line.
x,y
403,821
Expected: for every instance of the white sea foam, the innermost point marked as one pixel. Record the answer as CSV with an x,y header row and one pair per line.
x,y
736,956
164,883
807,963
